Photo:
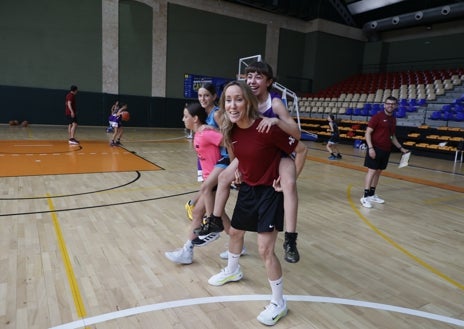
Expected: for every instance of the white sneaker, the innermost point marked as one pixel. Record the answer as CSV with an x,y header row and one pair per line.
x,y
272,313
225,253
180,256
224,277
365,202
375,198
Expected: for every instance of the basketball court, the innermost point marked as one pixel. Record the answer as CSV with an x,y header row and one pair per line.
x,y
85,229
55,157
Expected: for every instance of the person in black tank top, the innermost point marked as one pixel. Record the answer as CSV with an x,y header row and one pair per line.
x,y
332,144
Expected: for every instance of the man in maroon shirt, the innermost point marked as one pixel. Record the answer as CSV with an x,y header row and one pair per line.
x,y
380,136
71,114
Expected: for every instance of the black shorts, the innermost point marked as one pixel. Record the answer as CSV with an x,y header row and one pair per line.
x,y
334,140
380,161
258,209
223,162
71,120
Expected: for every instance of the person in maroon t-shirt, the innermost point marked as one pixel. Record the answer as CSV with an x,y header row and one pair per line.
x,y
380,136
71,114
259,206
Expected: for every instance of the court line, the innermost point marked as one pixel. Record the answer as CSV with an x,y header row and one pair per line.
x,y
99,205
385,173
240,298
76,194
78,303
400,248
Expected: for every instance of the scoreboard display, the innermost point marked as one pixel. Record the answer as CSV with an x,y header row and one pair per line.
x,y
193,82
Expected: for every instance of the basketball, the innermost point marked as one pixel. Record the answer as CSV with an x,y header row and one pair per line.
x,y
125,116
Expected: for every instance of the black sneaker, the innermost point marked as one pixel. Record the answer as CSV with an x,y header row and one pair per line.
x,y
339,156
212,224
291,252
206,240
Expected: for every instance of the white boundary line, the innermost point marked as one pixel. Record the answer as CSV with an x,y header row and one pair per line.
x,y
238,298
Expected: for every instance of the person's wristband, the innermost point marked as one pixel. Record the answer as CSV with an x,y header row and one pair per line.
x,y
370,148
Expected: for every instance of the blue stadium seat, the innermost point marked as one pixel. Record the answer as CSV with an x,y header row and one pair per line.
x,y
401,113
422,102
436,115
459,116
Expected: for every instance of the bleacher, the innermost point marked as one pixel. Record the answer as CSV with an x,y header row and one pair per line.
x,y
430,113
361,96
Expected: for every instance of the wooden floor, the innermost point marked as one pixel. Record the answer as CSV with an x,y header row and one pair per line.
x,y
86,250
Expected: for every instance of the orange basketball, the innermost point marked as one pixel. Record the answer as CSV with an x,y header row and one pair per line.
x,y
125,116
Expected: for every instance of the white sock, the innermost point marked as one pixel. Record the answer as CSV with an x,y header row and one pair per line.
x,y
232,262
277,288
188,244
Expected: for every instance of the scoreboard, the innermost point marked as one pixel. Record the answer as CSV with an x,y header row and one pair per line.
x,y
193,82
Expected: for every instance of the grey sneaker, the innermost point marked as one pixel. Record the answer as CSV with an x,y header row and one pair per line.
x,y
180,256
365,202
375,198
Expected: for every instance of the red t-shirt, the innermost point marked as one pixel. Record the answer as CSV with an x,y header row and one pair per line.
x,y
259,154
384,128
70,97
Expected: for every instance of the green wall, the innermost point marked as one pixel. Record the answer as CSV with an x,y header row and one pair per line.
x,y
291,73
439,52
47,45
336,58
314,61
206,44
135,47
50,43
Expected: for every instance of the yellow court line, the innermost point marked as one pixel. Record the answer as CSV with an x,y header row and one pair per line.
x,y
399,247
385,173
78,303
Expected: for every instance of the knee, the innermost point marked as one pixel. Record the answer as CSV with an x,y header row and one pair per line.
x,y
265,252
224,178
288,182
236,234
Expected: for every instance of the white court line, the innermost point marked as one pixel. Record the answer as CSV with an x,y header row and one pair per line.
x,y
238,298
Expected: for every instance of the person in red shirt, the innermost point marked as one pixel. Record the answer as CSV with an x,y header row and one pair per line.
x,y
259,206
71,114
380,136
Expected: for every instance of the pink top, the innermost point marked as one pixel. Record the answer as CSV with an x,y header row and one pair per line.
x,y
206,143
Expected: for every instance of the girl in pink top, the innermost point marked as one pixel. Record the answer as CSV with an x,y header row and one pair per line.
x,y
206,142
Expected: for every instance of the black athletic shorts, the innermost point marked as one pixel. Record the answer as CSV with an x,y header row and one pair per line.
x,y
258,209
380,161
